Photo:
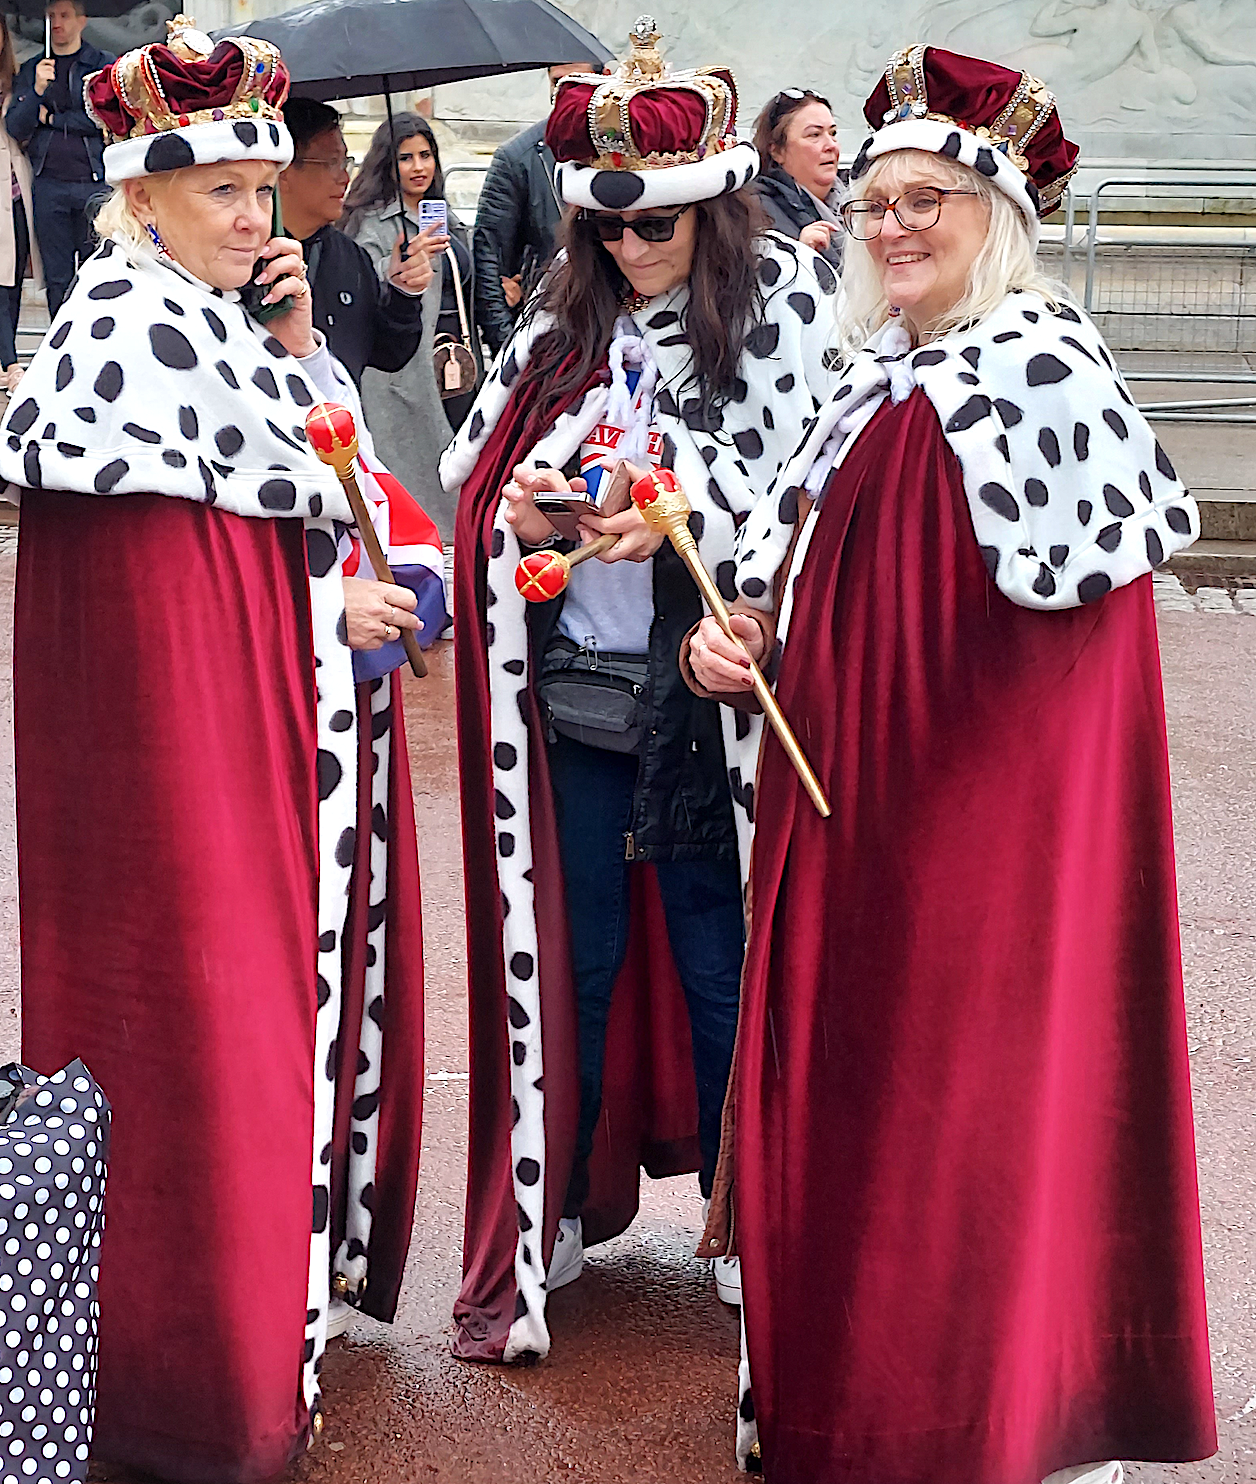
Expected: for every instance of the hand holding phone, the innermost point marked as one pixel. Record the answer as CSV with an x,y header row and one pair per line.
x,y
279,296
410,267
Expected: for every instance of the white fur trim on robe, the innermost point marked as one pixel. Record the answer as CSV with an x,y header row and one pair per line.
x,y
1069,492
724,468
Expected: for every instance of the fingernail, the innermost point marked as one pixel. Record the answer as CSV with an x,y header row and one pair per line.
x,y
748,680
745,664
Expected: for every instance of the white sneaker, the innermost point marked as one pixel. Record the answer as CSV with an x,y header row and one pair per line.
x,y
727,1272
567,1262
1088,1473
339,1317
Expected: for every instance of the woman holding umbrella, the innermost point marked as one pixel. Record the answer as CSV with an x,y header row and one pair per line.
x,y
960,1140
216,851
602,806
414,412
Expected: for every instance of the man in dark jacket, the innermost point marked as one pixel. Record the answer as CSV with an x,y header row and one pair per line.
x,y
367,322
47,117
515,221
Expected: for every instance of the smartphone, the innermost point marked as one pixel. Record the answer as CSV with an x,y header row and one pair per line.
x,y
252,294
434,214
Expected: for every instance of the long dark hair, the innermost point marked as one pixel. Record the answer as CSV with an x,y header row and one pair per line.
x,y
585,291
375,184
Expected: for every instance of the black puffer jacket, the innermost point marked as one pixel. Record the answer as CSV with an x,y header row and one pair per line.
x,y
516,219
791,208
681,810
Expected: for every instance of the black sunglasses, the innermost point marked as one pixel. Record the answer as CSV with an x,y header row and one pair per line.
x,y
790,99
648,228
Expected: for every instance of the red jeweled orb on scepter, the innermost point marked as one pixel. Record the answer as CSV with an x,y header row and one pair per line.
x,y
542,575
332,433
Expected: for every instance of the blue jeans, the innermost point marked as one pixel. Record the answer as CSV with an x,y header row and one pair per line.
x,y
593,793
63,231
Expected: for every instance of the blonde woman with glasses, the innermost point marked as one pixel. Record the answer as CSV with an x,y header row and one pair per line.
x,y
959,1141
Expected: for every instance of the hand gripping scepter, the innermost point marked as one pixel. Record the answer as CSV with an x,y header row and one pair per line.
x,y
334,438
665,507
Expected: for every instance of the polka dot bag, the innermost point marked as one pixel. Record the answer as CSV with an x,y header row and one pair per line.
x,y
54,1146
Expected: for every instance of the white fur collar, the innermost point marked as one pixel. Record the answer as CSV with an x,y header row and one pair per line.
x,y
1069,492
149,382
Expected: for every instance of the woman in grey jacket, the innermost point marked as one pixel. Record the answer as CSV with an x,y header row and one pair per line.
x,y
409,420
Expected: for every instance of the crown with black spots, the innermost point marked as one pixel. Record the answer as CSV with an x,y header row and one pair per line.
x,y
1000,123
647,136
189,102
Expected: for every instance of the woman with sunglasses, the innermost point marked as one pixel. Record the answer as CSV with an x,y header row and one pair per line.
x,y
963,1167
800,185
602,802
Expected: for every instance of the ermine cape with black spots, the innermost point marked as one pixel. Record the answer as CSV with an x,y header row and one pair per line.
x,y
219,876
524,1068
962,1166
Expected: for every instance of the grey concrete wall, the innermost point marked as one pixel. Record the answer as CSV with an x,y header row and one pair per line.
x,y
1136,79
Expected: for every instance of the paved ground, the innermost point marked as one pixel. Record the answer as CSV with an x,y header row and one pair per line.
x,y
641,1382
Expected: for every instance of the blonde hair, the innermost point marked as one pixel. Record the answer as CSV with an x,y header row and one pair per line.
x,y
116,219
1006,261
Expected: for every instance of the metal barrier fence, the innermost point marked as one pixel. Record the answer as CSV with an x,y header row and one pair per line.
x,y
1177,304
464,195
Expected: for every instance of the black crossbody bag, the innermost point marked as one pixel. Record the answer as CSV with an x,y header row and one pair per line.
x,y
596,696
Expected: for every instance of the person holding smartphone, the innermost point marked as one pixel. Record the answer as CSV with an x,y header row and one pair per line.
x,y
606,810
369,319
217,857
415,411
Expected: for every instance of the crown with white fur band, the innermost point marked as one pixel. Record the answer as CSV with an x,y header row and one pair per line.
x,y
648,136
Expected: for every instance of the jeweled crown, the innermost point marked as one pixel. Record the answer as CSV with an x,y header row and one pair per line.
x,y
1011,131
612,130
189,80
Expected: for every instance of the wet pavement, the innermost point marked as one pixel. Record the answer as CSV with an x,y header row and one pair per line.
x,y
642,1379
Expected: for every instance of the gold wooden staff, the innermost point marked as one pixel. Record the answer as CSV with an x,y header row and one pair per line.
x,y
666,508
334,438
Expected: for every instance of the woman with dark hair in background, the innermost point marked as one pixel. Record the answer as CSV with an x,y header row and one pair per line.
x,y
412,413
605,808
16,244
800,183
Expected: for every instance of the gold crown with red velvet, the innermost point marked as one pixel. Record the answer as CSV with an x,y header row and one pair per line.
x,y
648,136
188,101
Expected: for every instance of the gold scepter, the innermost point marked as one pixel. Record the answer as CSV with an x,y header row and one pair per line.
x,y
666,508
334,438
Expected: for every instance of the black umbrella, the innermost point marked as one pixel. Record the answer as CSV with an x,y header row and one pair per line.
x,y
358,48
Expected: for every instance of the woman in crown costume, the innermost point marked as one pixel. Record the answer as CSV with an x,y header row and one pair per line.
x,y
961,1150
667,333
216,848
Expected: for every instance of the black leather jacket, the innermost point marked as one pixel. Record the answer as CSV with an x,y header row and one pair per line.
x,y
517,216
22,119
791,208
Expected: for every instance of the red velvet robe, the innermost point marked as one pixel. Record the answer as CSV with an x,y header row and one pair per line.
x,y
649,1098
168,867
964,1160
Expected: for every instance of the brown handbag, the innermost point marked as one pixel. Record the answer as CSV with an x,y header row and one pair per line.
x,y
453,359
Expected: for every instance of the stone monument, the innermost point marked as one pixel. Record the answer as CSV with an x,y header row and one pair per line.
x,y
1141,81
